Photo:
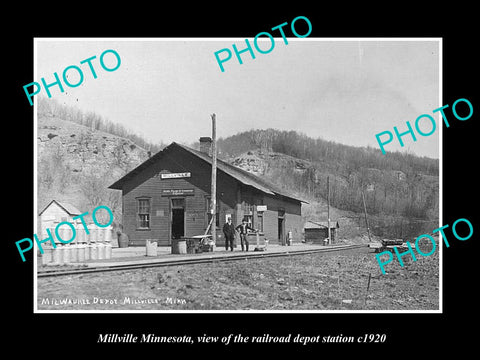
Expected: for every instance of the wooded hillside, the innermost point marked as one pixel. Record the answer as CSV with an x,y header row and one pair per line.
x,y
401,190
93,121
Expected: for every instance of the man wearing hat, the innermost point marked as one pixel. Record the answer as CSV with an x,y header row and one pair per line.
x,y
229,232
243,230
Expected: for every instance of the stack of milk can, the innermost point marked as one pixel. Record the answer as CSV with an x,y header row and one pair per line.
x,y
96,245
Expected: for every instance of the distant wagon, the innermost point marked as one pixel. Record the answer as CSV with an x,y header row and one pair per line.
x,y
317,231
388,244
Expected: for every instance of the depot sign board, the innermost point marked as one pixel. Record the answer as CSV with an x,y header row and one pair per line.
x,y
178,192
175,175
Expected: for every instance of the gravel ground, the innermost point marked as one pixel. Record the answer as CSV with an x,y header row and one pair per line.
x,y
329,281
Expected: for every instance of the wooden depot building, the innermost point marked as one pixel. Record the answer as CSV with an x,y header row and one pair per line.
x,y
168,197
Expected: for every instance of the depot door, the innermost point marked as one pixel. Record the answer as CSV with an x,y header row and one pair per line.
x,y
177,218
281,226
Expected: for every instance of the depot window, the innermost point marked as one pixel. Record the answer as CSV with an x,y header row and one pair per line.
x,y
143,213
248,211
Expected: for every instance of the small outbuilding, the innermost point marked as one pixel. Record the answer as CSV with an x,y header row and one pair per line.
x,y
56,212
317,231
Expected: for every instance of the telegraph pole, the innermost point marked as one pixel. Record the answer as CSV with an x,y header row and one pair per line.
x,y
328,210
213,192
366,219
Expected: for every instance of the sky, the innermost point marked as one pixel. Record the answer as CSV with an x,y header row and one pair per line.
x,y
342,90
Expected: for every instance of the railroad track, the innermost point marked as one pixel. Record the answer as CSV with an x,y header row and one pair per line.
x,y
190,261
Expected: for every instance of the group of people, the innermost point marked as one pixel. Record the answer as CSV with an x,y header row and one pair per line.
x,y
229,231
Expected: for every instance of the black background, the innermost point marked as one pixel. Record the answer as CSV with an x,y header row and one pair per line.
x,y
407,334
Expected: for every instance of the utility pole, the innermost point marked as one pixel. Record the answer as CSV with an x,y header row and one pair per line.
x,y
366,220
328,210
213,192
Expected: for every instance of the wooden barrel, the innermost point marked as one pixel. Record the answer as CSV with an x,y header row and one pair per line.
x,y
179,246
123,240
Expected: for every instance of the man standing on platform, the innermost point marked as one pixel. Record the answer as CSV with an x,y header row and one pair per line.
x,y
243,230
229,232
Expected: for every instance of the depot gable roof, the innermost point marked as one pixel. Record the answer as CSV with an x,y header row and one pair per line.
x,y
240,175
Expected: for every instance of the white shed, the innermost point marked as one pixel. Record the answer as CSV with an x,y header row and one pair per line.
x,y
54,213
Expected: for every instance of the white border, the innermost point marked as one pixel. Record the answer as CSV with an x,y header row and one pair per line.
x,y
35,154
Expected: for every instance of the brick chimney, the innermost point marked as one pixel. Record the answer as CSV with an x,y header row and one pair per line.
x,y
206,145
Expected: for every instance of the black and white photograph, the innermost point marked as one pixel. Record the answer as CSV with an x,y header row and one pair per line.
x,y
297,181
304,197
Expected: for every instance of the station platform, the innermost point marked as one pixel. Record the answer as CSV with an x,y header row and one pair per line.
x,y
137,255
